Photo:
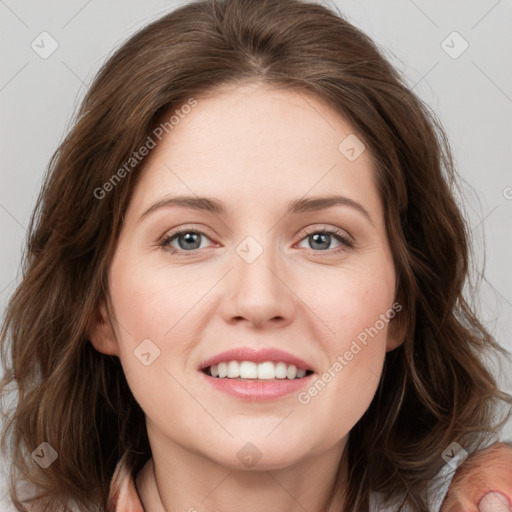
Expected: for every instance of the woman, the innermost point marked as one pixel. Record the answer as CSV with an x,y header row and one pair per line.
x,y
244,282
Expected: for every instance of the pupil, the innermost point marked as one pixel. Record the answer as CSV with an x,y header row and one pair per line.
x,y
321,239
189,238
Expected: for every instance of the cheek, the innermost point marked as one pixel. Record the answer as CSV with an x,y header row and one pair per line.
x,y
149,301
355,304
159,318
142,312
146,309
357,307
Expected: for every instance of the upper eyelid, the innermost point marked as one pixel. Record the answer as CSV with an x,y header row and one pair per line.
x,y
181,230
325,227
303,233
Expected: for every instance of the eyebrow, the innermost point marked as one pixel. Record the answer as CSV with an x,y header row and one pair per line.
x,y
301,205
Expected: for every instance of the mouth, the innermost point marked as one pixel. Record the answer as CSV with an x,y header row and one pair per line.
x,y
256,375
252,371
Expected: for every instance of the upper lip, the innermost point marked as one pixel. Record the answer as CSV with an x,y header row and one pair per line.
x,y
256,356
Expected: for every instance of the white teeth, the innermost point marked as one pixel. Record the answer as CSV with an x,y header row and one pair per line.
x,y
233,369
292,372
281,370
248,370
267,370
223,370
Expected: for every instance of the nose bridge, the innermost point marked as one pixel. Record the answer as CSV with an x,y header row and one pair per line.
x,y
257,290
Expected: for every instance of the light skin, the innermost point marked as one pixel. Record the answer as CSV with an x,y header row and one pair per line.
x,y
483,483
255,149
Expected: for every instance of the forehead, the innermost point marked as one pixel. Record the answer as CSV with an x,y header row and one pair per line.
x,y
254,140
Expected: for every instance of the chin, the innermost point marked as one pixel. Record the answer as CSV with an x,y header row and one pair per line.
x,y
260,454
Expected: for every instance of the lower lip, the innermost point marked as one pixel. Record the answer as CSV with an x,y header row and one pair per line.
x,y
257,390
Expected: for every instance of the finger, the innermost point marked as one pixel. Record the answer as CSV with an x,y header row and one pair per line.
x,y
494,501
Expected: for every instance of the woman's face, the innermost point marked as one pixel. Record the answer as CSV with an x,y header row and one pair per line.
x,y
260,275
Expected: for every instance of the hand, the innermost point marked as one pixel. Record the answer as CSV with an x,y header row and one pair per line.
x,y
483,483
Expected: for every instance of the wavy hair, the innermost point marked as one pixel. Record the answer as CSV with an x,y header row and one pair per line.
x,y
435,388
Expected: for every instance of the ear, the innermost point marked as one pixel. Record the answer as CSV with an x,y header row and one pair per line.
x,y
397,330
101,333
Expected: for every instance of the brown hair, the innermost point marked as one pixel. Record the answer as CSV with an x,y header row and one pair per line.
x,y
434,389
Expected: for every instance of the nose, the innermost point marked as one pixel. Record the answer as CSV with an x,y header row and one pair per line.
x,y
258,292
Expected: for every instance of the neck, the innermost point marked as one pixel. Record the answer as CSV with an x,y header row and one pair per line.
x,y
189,482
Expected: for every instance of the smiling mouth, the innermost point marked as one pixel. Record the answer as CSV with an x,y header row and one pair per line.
x,y
251,371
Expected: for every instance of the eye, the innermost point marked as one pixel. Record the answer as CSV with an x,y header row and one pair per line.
x,y
188,240
320,239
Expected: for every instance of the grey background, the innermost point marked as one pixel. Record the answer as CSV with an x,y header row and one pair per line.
x,y
471,94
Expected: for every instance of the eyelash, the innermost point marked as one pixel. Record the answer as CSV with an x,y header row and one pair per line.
x,y
346,242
